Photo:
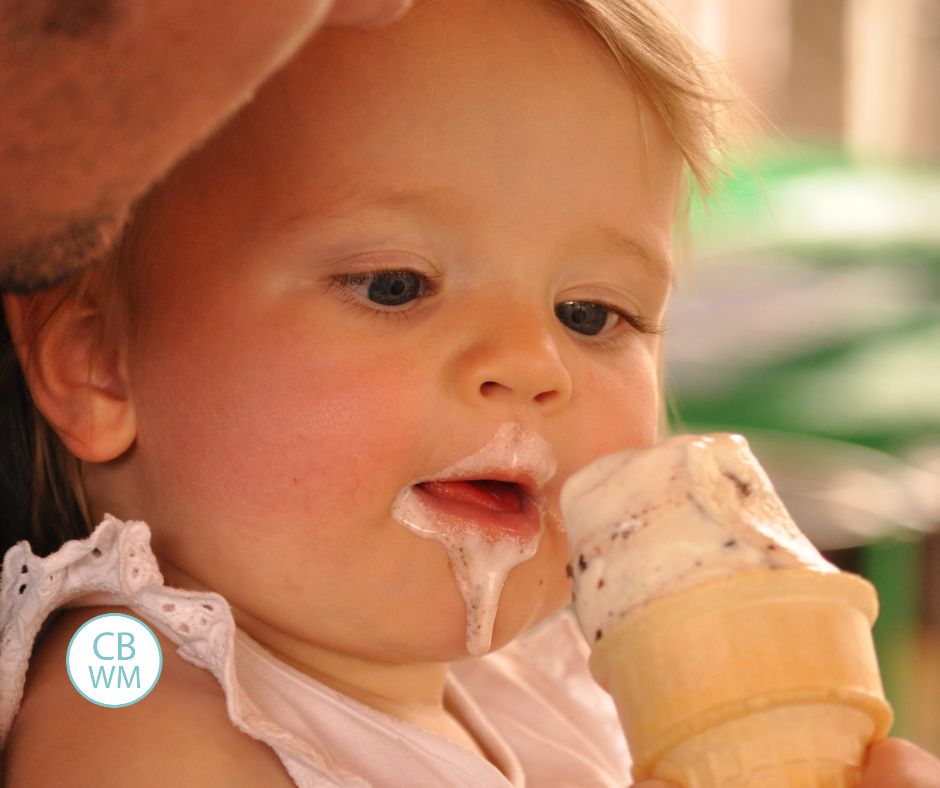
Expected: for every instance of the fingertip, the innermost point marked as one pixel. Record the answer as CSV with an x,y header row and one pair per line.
x,y
893,763
891,749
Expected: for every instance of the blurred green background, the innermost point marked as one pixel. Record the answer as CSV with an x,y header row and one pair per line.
x,y
807,315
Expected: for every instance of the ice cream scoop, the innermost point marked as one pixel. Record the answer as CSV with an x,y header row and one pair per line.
x,y
644,523
735,653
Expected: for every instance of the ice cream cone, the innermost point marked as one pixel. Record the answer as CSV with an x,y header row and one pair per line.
x,y
764,678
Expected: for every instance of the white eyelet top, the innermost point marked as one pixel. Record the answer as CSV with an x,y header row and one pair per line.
x,y
532,705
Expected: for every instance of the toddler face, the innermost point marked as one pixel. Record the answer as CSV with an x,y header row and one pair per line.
x,y
411,239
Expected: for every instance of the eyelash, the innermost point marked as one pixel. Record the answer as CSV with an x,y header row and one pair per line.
x,y
637,322
347,281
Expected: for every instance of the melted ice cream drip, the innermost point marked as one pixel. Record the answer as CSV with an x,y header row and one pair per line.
x,y
481,563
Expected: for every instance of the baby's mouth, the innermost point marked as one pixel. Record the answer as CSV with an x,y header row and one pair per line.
x,y
499,508
490,494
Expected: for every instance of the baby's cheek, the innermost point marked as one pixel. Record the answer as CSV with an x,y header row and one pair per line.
x,y
622,410
252,435
335,432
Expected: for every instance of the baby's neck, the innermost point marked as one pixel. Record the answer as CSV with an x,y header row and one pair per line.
x,y
394,688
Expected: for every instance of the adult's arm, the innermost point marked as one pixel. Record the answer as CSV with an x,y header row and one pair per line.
x,y
101,97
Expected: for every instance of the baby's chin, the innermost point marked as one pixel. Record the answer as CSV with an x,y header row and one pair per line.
x,y
516,617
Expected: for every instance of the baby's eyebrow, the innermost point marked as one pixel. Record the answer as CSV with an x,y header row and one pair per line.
x,y
447,203
343,201
610,240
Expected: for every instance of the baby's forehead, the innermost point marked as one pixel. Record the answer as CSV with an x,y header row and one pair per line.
x,y
517,118
442,62
443,50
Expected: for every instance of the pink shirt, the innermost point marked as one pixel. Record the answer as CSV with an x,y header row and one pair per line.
x,y
532,705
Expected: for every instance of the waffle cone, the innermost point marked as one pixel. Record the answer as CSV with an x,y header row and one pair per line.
x,y
763,679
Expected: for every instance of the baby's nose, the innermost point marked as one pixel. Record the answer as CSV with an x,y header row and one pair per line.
x,y
512,357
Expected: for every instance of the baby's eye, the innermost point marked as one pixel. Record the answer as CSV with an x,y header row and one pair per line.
x,y
386,288
586,317
592,318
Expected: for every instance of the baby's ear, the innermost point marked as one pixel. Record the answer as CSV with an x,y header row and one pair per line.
x,y
75,369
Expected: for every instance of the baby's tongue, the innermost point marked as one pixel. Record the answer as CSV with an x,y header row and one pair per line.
x,y
486,493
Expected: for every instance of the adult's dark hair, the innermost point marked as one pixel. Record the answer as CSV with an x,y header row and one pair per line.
x,y
37,501
17,446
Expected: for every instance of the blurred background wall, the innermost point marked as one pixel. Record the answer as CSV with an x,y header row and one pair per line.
x,y
808,317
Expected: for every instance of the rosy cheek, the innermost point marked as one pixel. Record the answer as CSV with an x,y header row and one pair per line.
x,y
621,409
248,424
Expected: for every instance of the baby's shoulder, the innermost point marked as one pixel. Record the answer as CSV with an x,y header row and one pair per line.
x,y
180,734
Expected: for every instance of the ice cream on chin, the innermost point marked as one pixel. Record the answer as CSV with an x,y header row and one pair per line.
x,y
487,512
736,655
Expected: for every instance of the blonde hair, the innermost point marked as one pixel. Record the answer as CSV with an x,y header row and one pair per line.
x,y
666,66
690,93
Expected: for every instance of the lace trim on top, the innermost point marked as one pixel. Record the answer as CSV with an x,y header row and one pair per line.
x,y
116,564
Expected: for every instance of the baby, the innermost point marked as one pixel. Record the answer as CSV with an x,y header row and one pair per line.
x,y
342,363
